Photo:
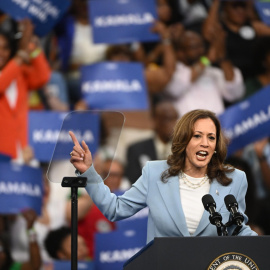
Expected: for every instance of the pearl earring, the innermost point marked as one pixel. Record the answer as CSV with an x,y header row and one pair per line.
x,y
215,152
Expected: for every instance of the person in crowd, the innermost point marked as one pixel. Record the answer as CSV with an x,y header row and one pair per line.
x,y
90,219
261,61
7,262
150,53
196,84
138,124
43,223
76,46
58,244
242,28
172,189
156,147
23,68
156,76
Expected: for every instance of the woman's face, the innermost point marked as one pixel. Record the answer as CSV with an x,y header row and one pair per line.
x,y
4,51
164,11
201,147
236,12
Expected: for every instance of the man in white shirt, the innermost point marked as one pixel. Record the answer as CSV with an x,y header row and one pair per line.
x,y
196,84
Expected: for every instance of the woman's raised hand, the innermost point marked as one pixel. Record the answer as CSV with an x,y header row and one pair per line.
x,y
81,157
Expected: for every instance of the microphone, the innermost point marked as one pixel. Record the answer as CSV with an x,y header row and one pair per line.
x,y
210,206
232,206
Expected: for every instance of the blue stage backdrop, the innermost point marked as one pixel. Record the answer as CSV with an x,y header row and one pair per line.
x,y
117,21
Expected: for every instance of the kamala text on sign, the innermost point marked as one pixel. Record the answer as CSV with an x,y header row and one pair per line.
x,y
118,22
20,188
247,121
114,85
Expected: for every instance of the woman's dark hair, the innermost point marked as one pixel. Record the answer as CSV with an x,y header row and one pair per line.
x,y
182,134
12,42
54,240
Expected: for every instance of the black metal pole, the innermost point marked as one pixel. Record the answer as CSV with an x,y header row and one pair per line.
x,y
74,183
74,228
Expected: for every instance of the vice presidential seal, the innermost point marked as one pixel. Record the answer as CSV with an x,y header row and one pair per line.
x,y
233,261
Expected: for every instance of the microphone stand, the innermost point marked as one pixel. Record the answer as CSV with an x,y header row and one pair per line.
x,y
238,226
74,183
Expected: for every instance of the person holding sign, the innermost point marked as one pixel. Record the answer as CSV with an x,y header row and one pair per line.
x,y
173,188
23,67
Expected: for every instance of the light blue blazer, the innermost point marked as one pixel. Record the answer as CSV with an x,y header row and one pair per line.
x,y
166,217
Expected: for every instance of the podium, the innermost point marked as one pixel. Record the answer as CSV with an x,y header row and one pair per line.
x,y
199,253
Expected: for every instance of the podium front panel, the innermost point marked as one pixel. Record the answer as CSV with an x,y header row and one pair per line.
x,y
198,253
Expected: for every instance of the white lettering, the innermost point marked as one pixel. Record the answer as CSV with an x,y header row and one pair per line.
x,y
117,255
126,19
53,136
22,3
111,86
248,124
20,189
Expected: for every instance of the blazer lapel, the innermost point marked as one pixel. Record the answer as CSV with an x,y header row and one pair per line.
x,y
171,196
218,193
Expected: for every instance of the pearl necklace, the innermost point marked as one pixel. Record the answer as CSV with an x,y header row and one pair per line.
x,y
192,185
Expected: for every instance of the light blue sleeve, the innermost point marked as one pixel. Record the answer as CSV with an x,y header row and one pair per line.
x,y
240,198
116,207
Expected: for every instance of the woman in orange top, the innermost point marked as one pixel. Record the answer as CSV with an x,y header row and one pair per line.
x,y
22,69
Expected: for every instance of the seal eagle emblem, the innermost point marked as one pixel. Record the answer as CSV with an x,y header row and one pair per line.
x,y
233,261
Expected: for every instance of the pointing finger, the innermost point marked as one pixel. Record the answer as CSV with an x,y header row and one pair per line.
x,y
74,139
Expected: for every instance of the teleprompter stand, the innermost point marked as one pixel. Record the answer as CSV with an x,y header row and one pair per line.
x,y
74,183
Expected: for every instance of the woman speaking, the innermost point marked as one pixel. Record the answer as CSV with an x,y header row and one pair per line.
x,y
173,188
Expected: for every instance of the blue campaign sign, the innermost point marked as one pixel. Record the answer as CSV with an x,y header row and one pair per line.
x,y
247,121
114,85
118,21
263,9
49,137
21,187
113,249
43,13
64,265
